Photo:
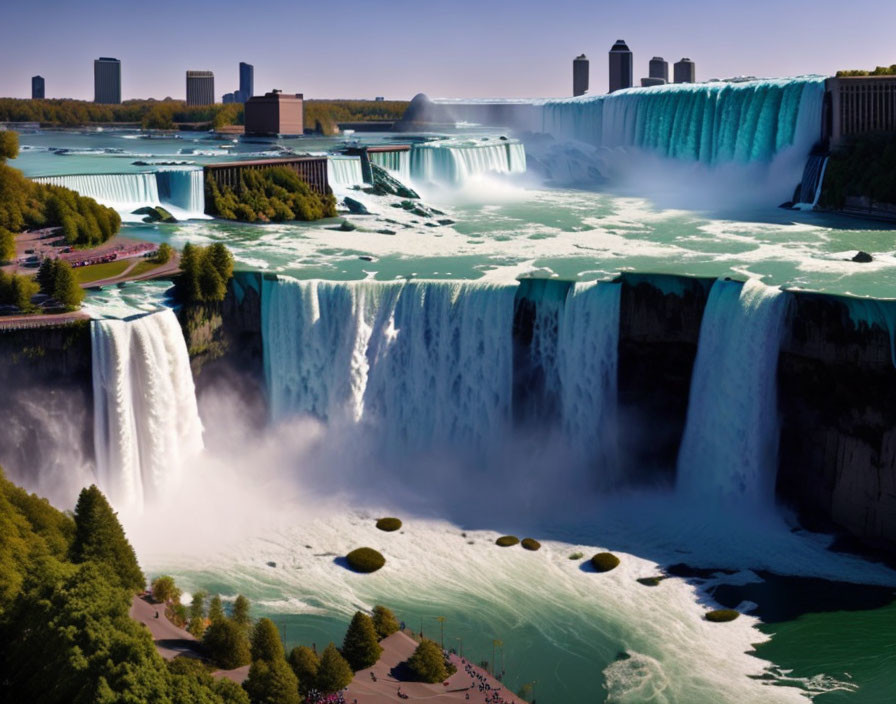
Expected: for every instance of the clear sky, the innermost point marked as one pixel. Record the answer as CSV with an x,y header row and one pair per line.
x,y
445,48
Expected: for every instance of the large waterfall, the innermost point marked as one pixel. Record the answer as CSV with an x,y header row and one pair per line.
x,y
180,190
705,122
457,162
146,421
344,171
397,163
428,364
730,444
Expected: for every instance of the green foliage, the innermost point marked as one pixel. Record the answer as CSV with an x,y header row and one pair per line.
x,y
17,290
7,245
384,621
650,581
226,644
865,166
272,682
428,663
304,663
325,115
163,254
878,71
360,647
65,286
9,145
240,615
722,615
266,643
388,524
365,560
506,541
215,609
604,561
334,672
100,538
530,544
205,272
164,590
273,194
577,556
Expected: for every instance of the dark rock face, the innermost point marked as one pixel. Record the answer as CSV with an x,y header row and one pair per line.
x,y
863,257
355,206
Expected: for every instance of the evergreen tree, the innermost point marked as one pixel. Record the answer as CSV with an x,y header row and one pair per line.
x,y
215,609
188,281
272,682
304,663
196,614
334,672
240,615
222,260
46,276
360,647
226,644
99,537
65,287
7,245
384,621
428,662
211,286
266,643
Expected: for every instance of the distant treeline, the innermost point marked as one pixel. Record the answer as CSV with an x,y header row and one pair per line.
x,y
879,71
322,115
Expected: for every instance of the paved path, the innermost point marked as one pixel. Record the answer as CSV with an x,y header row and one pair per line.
x,y
170,640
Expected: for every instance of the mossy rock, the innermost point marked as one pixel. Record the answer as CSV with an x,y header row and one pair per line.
x,y
365,560
650,581
530,544
388,524
722,615
604,561
505,541
577,556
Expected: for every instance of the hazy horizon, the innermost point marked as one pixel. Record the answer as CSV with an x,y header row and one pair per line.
x,y
472,49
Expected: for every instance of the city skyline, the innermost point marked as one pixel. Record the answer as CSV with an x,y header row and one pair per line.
x,y
481,49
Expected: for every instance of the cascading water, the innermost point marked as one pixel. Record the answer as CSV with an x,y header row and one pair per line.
x,y
180,190
146,421
344,171
813,180
730,444
397,163
457,162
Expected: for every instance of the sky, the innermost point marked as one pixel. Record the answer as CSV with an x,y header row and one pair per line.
x,y
397,48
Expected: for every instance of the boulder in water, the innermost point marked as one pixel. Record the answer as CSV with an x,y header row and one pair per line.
x,y
384,183
863,257
347,226
355,206
157,214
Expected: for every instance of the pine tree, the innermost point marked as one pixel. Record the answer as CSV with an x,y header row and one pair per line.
x,y
334,672
65,287
240,615
360,647
384,621
215,609
304,663
266,643
428,662
272,682
100,538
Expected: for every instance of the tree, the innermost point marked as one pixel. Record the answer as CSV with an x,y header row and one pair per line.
x,y
428,662
215,609
164,590
7,245
305,664
99,537
226,644
65,287
240,615
384,621
222,260
196,613
266,643
360,647
334,672
272,682
46,276
211,286
163,253
9,145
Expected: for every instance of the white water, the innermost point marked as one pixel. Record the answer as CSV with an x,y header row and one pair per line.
x,y
344,171
181,191
146,421
730,444
456,163
398,164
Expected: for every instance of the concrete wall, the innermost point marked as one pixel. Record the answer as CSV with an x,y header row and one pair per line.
x,y
860,105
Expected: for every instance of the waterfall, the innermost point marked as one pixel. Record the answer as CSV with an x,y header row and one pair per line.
x,y
429,364
813,179
146,421
344,171
704,122
397,163
182,191
456,163
730,443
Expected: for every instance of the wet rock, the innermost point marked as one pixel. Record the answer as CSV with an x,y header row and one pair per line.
x,y
863,257
355,206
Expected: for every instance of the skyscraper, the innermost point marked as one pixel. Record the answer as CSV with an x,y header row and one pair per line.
x,y
621,71
37,88
685,71
107,81
247,82
659,68
580,75
200,88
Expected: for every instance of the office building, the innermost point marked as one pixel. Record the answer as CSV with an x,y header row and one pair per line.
x,y
621,70
200,88
247,82
650,81
275,113
580,75
229,97
107,81
857,105
685,71
37,88
659,68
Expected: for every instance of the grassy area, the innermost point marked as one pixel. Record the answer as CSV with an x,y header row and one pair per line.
x,y
95,272
144,267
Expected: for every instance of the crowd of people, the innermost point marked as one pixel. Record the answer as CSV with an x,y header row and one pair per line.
x,y
480,682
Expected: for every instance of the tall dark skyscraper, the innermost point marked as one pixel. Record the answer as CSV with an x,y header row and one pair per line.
x,y
247,82
580,75
200,88
621,70
107,81
685,71
659,68
37,88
